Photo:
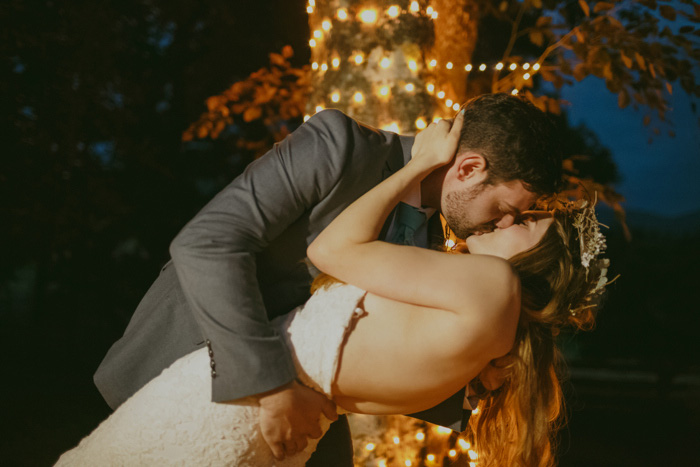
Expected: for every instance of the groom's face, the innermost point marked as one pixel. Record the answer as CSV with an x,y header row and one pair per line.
x,y
482,207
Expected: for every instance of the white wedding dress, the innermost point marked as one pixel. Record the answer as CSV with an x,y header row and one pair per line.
x,y
171,421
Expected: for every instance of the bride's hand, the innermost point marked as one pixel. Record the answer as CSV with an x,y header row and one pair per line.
x,y
437,145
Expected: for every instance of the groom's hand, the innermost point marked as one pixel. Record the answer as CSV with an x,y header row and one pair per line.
x,y
291,414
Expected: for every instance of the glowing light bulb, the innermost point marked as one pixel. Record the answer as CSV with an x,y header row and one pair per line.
x,y
473,455
526,76
449,65
358,97
312,43
335,97
468,67
368,16
382,463
452,453
335,62
314,66
448,103
434,15
441,94
455,107
318,34
476,410
431,457
312,2
472,464
429,11
319,108
514,92
408,463
430,87
420,436
393,11
482,67
359,59
397,440
436,119
326,25
385,62
307,117
309,9
342,14
415,7
433,62
443,430
412,65
410,87
324,66
536,66
384,91
526,66
394,127
370,446
499,66
513,66
463,444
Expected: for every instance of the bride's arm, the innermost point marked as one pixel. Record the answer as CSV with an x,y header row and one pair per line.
x,y
349,250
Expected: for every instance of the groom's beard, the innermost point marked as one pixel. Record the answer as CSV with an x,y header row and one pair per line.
x,y
457,212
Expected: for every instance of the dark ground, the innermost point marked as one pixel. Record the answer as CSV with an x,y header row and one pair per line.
x,y
48,403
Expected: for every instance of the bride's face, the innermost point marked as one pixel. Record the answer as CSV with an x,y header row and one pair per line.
x,y
512,240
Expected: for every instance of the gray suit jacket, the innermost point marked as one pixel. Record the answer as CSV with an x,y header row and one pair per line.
x,y
241,262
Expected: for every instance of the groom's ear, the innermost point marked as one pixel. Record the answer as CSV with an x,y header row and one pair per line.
x,y
471,166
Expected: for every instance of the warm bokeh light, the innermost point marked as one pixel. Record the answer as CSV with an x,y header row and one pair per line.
x,y
526,66
430,457
326,25
468,67
324,66
370,446
464,444
385,62
307,117
441,94
410,87
393,11
499,66
526,76
421,125
432,62
429,11
368,16
415,7
443,430
449,102
342,14
420,436
393,126
318,34
396,440
434,15
482,67
536,66
513,66
449,65
455,107
359,59
472,454
412,65
312,43
319,108
335,62
452,453
335,97
309,9
514,92
384,91
358,97
314,66
430,87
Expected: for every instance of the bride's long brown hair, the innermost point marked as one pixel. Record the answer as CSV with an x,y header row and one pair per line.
x,y
516,425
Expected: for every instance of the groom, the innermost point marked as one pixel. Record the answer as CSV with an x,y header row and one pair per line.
x,y
240,261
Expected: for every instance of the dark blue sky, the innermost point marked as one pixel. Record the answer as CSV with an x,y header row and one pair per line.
x,y
662,177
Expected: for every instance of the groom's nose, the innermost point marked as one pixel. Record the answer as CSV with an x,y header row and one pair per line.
x,y
506,221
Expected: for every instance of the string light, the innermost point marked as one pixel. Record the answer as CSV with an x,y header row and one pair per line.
x,y
368,16
482,67
393,11
420,436
307,117
443,430
448,102
526,66
441,94
434,15
318,34
430,87
314,66
358,97
359,59
452,453
309,9
468,67
408,463
324,66
429,11
382,463
455,107
342,14
449,65
326,25
385,62
410,87
335,62
472,464
536,66
312,2
370,446
433,63
526,76
396,440
499,66
513,66
312,42
319,108
335,97
415,7
384,91
412,65
463,444
473,455
393,127
431,457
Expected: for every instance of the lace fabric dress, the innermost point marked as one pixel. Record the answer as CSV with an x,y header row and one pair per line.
x,y
171,421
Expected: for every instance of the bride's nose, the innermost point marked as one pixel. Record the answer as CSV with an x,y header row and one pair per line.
x,y
506,221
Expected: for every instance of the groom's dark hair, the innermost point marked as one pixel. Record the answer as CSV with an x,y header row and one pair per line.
x,y
518,141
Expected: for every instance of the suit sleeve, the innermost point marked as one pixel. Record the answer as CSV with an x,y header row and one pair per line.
x,y
215,253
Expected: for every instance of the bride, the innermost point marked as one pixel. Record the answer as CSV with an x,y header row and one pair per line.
x,y
404,330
